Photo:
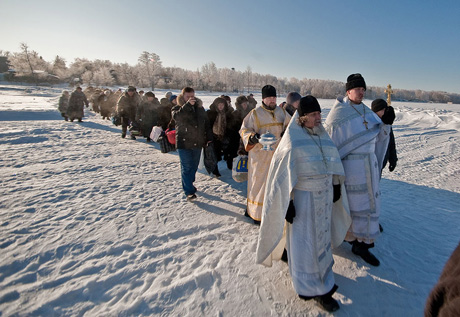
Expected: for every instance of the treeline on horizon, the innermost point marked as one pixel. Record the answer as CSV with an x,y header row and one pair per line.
x,y
28,66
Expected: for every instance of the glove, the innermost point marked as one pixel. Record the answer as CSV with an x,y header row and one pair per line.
x,y
290,214
337,192
389,115
392,167
254,139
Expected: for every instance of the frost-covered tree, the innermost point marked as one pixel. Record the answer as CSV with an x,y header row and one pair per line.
x,y
209,76
150,66
103,77
59,67
28,62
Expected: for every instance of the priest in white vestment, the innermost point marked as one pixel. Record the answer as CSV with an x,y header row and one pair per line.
x,y
304,186
266,118
362,140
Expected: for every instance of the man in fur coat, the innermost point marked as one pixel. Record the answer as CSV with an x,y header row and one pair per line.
x,y
266,118
193,132
77,101
127,109
303,186
362,140
444,299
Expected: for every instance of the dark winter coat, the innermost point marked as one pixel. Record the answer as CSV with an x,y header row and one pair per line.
x,y
289,109
108,104
237,120
444,299
391,155
148,115
127,106
192,124
77,101
166,107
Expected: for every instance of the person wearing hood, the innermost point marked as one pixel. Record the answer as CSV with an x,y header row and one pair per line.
x,y
362,140
219,120
304,185
148,114
266,118
292,102
193,133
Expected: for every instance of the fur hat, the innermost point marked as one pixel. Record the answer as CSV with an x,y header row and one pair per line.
x,y
219,100
168,95
308,104
241,99
293,97
354,81
378,104
131,88
268,91
150,94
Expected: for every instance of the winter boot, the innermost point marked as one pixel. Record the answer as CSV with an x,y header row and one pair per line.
x,y
256,222
327,302
133,137
123,135
149,139
362,249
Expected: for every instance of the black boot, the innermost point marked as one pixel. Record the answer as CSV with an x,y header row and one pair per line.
x,y
325,301
362,249
256,222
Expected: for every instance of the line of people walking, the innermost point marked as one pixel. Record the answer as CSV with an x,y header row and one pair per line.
x,y
318,185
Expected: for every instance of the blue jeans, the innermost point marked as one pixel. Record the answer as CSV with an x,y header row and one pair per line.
x,y
189,161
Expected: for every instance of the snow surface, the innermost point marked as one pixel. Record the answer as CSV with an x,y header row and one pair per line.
x,y
92,224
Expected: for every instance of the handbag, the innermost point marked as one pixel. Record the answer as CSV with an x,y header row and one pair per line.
x,y
171,135
165,146
210,160
240,168
116,119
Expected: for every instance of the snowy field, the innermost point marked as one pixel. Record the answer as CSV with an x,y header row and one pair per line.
x,y
95,225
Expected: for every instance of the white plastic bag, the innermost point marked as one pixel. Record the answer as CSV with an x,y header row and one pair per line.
x,y
155,134
240,168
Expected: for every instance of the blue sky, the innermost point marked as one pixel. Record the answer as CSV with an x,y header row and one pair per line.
x,y
410,44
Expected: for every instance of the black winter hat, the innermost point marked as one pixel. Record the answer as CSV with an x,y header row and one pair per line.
x,y
308,104
293,97
150,94
354,81
131,88
378,104
268,91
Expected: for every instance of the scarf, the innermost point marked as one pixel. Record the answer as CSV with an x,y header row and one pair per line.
x,y
219,125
